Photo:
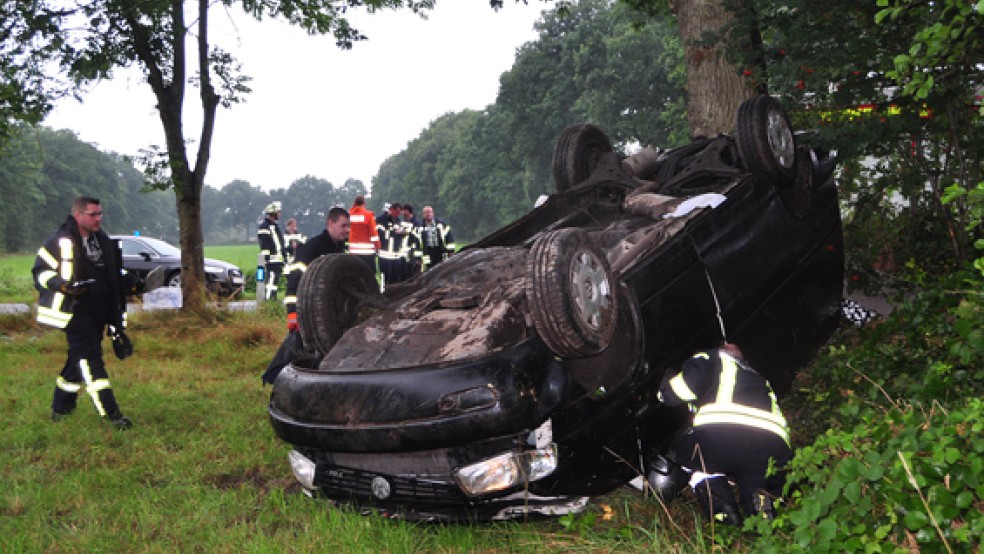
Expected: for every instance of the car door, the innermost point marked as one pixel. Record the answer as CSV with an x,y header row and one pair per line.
x,y
138,256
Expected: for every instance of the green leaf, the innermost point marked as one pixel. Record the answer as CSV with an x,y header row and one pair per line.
x,y
952,455
849,468
915,520
827,530
852,492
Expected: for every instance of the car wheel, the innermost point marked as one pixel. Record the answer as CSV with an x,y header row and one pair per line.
x,y
173,279
765,139
577,153
328,299
569,289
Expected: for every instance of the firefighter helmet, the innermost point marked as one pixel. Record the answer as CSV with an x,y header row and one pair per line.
x,y
273,207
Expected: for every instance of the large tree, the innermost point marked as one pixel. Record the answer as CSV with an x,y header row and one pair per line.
x,y
25,90
715,84
162,38
713,32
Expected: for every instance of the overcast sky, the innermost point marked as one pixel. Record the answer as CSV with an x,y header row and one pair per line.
x,y
318,110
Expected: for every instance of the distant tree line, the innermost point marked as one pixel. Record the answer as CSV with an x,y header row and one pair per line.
x,y
42,170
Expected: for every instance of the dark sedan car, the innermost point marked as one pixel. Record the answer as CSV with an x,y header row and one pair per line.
x,y
519,376
142,255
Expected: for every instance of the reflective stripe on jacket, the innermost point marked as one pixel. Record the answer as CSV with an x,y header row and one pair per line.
x,y
363,238
58,262
55,308
722,390
271,241
444,236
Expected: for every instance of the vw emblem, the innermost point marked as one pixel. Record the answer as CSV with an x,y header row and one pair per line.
x,y
380,488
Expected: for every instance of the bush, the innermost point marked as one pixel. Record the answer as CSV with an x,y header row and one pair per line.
x,y
902,467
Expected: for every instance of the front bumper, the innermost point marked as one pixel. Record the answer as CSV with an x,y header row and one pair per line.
x,y
426,485
224,281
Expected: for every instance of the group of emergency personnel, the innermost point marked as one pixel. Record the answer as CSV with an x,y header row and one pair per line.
x,y
396,243
408,245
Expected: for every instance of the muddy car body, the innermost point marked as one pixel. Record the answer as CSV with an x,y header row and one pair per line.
x,y
519,376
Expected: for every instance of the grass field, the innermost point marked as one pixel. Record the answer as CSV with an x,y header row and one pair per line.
x,y
201,470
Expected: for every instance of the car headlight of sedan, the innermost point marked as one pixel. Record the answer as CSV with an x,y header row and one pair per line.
x,y
303,469
214,269
507,470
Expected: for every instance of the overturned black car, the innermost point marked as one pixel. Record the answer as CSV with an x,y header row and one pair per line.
x,y
519,376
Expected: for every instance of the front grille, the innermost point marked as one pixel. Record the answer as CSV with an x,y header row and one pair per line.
x,y
339,482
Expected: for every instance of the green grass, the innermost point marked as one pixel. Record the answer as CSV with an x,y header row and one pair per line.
x,y
16,283
202,471
243,255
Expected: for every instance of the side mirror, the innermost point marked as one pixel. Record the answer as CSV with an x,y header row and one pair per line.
x,y
145,256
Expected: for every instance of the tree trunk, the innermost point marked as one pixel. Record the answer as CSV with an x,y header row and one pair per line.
x,y
187,182
189,204
715,87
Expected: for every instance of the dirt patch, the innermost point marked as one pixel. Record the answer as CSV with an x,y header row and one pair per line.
x,y
253,478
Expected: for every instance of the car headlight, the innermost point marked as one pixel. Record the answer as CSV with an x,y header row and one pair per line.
x,y
507,470
214,269
303,469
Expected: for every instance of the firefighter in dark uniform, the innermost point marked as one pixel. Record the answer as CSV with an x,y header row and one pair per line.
x,y
271,241
293,239
738,430
435,238
392,244
330,241
78,275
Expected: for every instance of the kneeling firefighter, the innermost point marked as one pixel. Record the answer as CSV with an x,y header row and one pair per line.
x,y
738,431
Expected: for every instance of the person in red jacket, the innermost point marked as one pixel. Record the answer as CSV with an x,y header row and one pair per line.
x,y
363,237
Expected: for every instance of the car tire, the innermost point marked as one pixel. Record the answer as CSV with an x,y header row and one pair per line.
x,y
577,154
765,139
173,279
326,305
570,293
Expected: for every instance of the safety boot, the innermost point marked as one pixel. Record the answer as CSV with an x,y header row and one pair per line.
x,y
58,416
717,501
119,421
